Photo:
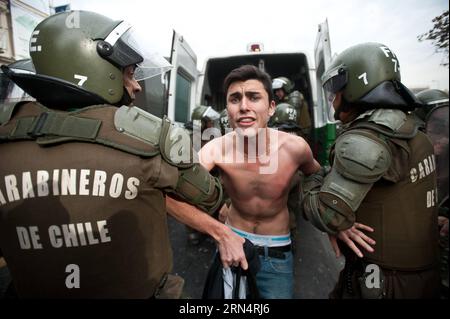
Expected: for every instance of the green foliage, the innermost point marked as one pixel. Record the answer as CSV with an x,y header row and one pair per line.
x,y
439,35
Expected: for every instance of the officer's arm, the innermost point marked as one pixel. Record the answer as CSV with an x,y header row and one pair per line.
x,y
330,202
230,244
197,187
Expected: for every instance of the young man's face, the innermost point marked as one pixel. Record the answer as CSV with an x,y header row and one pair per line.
x,y
248,106
130,83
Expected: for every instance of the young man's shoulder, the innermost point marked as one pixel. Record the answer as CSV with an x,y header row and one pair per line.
x,y
291,138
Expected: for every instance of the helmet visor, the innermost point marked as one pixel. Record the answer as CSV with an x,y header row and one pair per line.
x,y
151,63
11,92
335,79
211,114
437,129
129,47
330,97
278,84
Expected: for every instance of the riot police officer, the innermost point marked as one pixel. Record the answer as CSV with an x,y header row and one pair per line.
x,y
202,118
224,122
83,192
382,175
434,117
284,92
285,119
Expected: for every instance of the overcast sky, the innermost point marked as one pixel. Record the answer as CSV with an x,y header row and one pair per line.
x,y
223,27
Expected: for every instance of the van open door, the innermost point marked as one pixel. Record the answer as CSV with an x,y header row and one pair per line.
x,y
324,128
183,80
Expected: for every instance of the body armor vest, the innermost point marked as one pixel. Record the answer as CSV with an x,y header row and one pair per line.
x,y
83,205
401,206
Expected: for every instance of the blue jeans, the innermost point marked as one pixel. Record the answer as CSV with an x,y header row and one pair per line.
x,y
275,279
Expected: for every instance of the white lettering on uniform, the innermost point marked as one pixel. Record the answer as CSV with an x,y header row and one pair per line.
x,y
11,188
98,187
427,167
414,175
115,189
431,201
84,181
68,182
103,231
28,238
132,191
2,198
54,233
70,235
431,161
56,182
91,239
81,235
421,171
42,183
27,185
24,239
35,237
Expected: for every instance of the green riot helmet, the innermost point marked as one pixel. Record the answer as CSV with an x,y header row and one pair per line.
x,y
202,114
282,83
285,117
80,56
224,121
368,74
430,99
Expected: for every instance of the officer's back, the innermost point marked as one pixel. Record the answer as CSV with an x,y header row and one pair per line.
x,y
82,192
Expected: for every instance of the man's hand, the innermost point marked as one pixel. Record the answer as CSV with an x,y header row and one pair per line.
x,y
231,250
231,245
351,236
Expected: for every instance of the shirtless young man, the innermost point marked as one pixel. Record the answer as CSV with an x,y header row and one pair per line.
x,y
257,165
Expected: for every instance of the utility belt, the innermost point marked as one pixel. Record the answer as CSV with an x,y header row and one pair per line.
x,y
274,252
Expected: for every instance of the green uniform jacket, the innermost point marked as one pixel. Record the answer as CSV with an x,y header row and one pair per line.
x,y
83,219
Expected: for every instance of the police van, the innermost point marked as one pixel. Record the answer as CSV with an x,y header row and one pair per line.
x,y
187,87
179,91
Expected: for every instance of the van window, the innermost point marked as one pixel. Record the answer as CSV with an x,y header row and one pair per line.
x,y
183,96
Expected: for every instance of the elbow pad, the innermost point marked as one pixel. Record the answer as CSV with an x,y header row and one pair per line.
x,y
196,186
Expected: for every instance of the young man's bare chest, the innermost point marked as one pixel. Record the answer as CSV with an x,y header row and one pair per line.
x,y
245,180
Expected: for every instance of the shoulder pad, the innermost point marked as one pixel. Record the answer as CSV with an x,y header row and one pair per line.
x,y
6,111
361,158
393,119
139,124
296,94
295,99
390,122
176,145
